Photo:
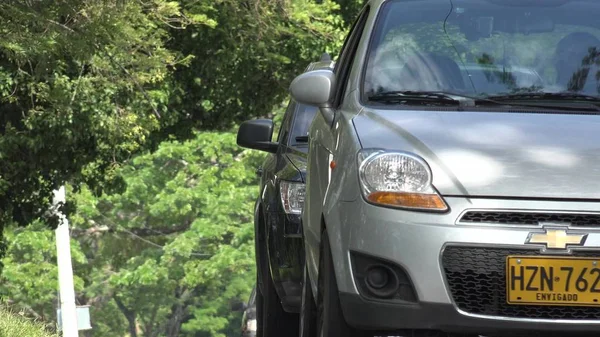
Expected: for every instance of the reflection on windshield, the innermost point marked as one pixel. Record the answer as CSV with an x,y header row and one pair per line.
x,y
483,48
575,54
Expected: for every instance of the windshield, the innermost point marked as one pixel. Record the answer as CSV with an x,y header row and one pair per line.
x,y
485,48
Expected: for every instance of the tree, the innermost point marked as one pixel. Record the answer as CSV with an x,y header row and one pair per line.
x,y
349,9
30,278
82,86
162,229
243,65
87,84
163,258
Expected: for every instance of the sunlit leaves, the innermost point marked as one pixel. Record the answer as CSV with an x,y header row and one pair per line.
x,y
30,277
243,66
209,184
80,84
86,86
180,236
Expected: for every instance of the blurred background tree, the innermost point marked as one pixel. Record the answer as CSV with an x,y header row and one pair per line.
x,y
85,84
349,9
162,258
134,105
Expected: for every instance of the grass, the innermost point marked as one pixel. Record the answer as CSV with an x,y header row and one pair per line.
x,y
12,324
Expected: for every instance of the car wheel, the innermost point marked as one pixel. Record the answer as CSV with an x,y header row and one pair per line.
x,y
330,319
308,309
272,320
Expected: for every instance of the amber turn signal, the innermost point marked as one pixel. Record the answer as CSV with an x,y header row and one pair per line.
x,y
408,200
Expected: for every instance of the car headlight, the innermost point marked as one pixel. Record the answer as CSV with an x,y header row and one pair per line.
x,y
397,179
251,325
292,196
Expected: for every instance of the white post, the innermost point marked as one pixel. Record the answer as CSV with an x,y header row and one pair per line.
x,y
65,271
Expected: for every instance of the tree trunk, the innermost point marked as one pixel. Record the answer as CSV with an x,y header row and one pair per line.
x,y
177,313
129,315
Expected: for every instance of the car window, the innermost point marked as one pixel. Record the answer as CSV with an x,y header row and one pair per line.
x,y
346,58
302,120
484,48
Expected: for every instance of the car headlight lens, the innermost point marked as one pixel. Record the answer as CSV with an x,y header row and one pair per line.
x,y
292,196
398,179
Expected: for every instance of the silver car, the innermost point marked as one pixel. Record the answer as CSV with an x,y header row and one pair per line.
x,y
453,180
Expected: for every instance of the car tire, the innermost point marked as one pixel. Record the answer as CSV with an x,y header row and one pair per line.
x,y
330,318
308,309
272,319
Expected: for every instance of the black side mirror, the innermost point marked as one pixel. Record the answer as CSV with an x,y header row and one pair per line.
x,y
256,134
237,305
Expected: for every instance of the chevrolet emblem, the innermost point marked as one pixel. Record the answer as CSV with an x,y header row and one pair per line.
x,y
556,239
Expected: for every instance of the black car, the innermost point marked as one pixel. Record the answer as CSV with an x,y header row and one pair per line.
x,y
277,217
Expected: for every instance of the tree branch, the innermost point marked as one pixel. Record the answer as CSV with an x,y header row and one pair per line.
x,y
61,25
177,313
129,315
98,230
25,308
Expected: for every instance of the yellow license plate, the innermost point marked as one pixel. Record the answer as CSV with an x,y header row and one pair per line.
x,y
552,280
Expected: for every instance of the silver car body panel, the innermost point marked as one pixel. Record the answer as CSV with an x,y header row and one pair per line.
x,y
327,143
416,240
495,153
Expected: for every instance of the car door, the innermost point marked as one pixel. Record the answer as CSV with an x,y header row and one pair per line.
x,y
321,145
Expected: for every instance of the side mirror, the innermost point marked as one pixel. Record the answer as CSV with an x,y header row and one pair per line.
x,y
256,134
237,305
313,87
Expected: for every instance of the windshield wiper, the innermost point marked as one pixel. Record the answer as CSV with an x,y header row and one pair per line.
x,y
508,100
415,97
562,96
439,97
556,100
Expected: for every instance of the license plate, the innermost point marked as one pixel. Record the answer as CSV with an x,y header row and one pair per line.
x,y
552,280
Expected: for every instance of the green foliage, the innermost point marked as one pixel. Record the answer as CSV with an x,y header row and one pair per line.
x,y
13,324
78,81
30,276
87,84
242,67
349,9
90,90
162,258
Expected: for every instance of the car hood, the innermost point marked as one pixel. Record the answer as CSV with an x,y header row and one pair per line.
x,y
495,154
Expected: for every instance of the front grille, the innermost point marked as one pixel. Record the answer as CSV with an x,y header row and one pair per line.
x,y
477,281
530,218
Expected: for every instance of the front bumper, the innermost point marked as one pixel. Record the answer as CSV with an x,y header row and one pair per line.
x,y
386,317
420,244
